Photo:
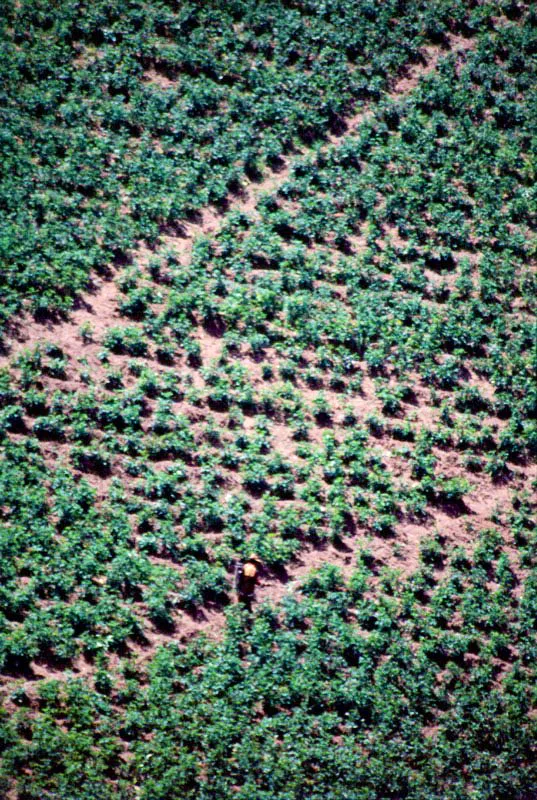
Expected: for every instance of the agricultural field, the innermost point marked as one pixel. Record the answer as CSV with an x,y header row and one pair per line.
x,y
268,285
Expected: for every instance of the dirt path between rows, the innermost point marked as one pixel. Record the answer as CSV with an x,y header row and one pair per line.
x,y
99,310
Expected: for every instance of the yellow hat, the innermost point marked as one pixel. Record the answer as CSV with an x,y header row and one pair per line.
x,y
254,557
250,571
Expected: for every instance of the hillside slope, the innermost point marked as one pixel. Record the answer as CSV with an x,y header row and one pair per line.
x,y
304,326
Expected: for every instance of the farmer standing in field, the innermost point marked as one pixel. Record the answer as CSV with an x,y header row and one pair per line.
x,y
246,578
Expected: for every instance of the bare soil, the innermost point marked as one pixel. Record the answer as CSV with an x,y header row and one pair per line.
x,y
99,309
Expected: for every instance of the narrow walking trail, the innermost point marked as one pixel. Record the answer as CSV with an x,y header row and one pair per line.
x,y
99,310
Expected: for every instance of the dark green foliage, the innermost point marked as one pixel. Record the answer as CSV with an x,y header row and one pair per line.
x,y
318,372
80,123
307,701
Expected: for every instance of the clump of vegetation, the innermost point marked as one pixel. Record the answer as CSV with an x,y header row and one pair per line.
x,y
342,377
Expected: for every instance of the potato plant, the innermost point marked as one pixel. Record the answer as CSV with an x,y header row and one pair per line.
x,y
317,343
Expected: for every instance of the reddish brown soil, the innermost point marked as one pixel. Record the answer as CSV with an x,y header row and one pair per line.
x,y
158,79
100,310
